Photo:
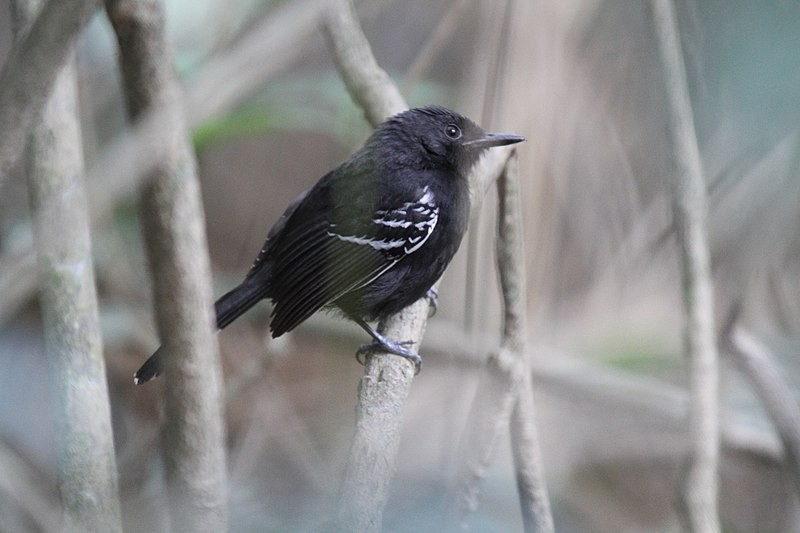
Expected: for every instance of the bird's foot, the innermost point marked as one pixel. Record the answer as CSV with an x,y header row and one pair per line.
x,y
384,345
433,299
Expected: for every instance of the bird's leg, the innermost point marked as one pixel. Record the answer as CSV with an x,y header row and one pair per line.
x,y
433,299
382,344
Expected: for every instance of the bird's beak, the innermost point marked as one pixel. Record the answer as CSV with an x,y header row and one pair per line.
x,y
494,139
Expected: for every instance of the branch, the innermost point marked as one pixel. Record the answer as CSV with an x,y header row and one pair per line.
x,y
528,462
368,84
386,382
33,63
505,388
534,501
699,493
87,468
174,230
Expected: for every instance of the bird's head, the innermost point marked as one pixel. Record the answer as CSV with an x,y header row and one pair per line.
x,y
436,137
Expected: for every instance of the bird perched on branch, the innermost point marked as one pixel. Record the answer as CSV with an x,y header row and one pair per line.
x,y
373,235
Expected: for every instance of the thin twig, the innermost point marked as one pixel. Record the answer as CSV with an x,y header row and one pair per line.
x,y
528,462
699,492
534,500
174,231
87,467
505,387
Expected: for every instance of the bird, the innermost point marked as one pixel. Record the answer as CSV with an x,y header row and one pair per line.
x,y
372,236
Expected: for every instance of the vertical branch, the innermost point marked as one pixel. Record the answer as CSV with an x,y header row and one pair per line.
x,y
33,63
699,492
534,501
504,394
174,230
528,464
86,464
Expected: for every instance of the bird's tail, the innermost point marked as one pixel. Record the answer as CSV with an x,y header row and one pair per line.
x,y
228,307
150,369
234,303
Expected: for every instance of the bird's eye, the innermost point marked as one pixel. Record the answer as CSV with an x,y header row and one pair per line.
x,y
452,131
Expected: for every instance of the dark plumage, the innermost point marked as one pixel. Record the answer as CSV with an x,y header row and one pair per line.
x,y
373,235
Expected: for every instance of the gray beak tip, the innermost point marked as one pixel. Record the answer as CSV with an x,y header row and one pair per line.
x,y
503,139
490,140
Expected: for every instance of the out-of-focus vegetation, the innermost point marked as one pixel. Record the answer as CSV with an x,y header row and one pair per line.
x,y
582,81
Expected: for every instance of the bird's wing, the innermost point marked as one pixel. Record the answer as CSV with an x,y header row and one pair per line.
x,y
277,228
320,259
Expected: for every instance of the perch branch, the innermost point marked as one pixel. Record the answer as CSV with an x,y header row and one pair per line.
x,y
386,381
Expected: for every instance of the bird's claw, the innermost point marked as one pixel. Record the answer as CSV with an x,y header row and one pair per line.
x,y
395,348
433,299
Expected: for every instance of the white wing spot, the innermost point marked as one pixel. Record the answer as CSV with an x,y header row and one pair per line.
x,y
378,245
426,226
392,223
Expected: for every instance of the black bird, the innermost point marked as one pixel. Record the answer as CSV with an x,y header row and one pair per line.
x,y
373,235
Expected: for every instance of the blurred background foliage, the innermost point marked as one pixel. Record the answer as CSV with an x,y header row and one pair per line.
x,y
582,81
